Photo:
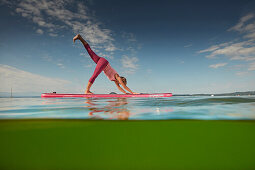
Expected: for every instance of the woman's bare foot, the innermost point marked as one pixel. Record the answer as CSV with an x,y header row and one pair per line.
x,y
78,36
88,92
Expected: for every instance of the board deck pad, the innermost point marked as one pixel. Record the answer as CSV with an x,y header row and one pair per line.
x,y
59,95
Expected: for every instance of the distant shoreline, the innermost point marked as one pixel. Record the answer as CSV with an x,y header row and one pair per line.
x,y
247,93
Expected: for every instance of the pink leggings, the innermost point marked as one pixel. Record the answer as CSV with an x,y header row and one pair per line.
x,y
100,61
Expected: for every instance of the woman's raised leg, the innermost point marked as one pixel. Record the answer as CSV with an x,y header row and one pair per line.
x,y
93,55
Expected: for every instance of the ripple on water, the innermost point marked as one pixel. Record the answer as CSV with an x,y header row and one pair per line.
x,y
206,108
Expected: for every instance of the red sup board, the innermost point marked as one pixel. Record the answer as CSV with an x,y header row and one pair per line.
x,y
155,95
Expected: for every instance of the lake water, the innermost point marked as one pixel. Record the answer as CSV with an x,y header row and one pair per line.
x,y
205,108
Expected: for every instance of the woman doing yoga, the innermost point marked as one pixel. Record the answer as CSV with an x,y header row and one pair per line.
x,y
103,65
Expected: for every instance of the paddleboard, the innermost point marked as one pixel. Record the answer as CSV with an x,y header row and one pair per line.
x,y
59,95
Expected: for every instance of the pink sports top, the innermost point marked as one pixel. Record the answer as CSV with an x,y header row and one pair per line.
x,y
110,72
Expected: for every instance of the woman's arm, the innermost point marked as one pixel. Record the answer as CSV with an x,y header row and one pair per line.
x,y
123,85
126,88
117,84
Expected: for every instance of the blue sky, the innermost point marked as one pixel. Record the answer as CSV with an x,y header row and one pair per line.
x,y
159,46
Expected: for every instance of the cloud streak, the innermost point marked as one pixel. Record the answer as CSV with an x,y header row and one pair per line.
x,y
129,64
234,51
52,17
251,66
23,81
56,15
244,50
246,25
218,65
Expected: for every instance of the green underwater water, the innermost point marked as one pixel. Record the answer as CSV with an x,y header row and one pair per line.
x,y
130,144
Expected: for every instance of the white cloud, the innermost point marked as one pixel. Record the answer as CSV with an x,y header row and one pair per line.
x,y
250,35
246,26
243,50
110,47
242,73
52,16
23,81
215,47
61,65
39,31
240,26
53,34
210,49
129,64
251,66
85,55
236,51
218,65
189,45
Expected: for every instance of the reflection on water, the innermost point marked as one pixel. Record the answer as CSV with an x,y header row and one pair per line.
x,y
116,108
205,108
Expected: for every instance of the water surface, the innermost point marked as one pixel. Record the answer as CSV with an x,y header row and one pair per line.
x,y
205,108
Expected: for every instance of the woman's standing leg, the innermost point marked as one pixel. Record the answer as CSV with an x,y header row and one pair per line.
x,y
101,64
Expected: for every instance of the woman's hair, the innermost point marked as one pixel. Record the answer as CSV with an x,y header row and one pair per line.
x,y
124,80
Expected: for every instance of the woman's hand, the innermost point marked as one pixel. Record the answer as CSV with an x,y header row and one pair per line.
x,y
135,93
